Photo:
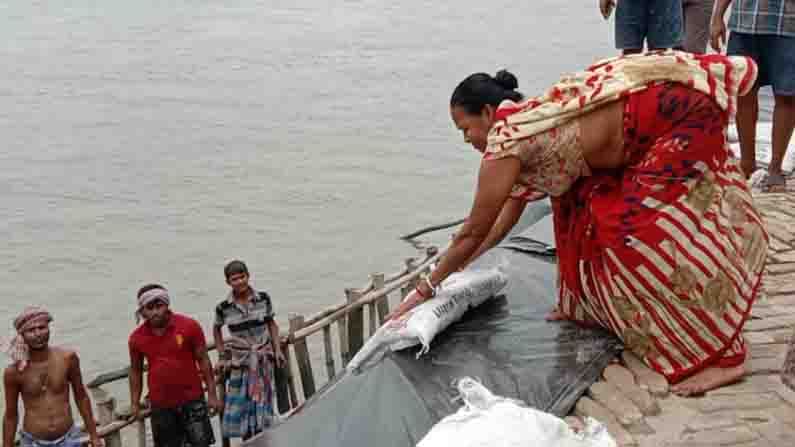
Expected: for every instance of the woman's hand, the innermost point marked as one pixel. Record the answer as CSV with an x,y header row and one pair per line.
x,y
412,300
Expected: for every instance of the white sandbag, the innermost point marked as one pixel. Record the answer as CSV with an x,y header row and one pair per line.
x,y
493,421
458,293
764,146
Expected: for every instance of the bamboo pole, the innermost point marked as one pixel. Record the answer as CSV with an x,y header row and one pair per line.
x,y
342,331
430,252
313,324
340,314
425,230
372,319
280,385
287,378
351,336
328,351
220,387
302,357
411,266
382,304
355,322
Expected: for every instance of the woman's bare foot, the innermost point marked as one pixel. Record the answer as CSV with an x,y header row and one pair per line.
x,y
707,380
555,315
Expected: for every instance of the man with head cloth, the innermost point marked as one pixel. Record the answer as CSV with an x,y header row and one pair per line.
x,y
175,349
41,375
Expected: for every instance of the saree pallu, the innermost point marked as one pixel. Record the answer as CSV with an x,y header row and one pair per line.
x,y
669,251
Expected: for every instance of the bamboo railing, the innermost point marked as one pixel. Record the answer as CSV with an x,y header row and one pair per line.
x,y
299,380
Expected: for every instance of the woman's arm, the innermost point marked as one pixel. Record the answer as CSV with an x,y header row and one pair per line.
x,y
510,214
495,181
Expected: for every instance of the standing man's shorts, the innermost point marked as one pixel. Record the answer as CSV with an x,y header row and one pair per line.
x,y
187,424
70,439
774,56
658,22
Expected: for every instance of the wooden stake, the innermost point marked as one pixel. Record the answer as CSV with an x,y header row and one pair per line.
x,y
383,303
328,351
342,331
289,378
106,414
355,323
302,357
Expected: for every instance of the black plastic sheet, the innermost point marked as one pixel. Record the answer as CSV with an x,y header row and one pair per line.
x,y
505,343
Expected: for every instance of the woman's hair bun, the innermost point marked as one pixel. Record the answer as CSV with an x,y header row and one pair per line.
x,y
506,80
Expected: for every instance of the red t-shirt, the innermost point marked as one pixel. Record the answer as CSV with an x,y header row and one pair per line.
x,y
174,378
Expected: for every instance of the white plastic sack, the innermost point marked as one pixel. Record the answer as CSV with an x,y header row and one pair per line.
x,y
459,292
493,421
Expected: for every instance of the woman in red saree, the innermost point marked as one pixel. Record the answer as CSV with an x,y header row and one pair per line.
x,y
658,239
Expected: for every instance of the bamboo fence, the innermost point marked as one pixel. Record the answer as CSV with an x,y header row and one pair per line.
x,y
354,320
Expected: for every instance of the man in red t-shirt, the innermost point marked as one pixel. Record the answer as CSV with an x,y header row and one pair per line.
x,y
176,351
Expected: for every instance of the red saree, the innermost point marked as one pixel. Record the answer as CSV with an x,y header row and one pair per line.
x,y
667,252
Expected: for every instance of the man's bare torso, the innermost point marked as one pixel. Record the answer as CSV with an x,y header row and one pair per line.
x,y
44,387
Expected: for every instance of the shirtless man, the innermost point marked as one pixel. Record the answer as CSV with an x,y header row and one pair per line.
x,y
42,375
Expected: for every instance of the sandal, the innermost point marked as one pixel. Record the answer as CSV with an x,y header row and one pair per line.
x,y
764,181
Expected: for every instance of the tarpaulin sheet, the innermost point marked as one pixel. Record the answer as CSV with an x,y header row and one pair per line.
x,y
505,343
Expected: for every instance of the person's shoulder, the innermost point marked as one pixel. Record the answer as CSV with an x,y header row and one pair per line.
x,y
137,331
184,319
223,305
186,322
11,374
261,295
67,354
138,334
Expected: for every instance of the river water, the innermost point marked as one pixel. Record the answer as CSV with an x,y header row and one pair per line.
x,y
154,141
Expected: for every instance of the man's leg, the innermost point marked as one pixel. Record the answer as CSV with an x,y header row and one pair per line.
x,y
747,115
780,54
630,22
166,429
742,44
195,420
665,24
783,123
697,15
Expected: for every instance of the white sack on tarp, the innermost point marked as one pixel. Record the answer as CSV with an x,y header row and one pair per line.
x,y
764,146
458,293
493,421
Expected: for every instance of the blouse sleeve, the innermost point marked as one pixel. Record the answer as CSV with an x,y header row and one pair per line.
x,y
521,190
